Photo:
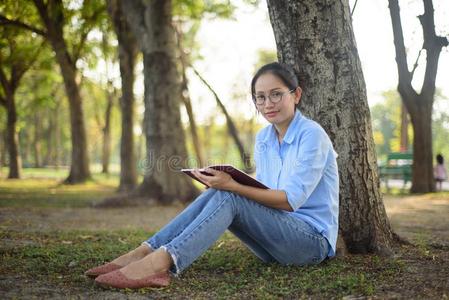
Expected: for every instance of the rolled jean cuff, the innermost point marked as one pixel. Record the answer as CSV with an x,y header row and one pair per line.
x,y
175,270
146,243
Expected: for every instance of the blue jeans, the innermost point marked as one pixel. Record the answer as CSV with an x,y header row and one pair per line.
x,y
272,235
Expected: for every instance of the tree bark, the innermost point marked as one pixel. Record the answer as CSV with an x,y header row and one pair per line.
x,y
404,129
12,138
53,19
2,152
151,24
37,140
58,144
127,51
317,40
419,105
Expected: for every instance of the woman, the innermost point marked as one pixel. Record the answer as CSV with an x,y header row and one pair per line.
x,y
295,222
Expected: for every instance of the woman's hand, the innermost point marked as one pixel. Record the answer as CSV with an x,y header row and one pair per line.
x,y
218,180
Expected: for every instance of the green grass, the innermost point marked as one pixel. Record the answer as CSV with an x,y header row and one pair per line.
x,y
228,269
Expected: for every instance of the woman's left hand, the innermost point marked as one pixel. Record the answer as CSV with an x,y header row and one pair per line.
x,y
218,180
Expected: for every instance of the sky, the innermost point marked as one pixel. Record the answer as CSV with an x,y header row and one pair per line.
x,y
229,50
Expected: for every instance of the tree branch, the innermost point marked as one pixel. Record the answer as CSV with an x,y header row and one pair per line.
x,y
4,81
353,8
5,84
24,66
416,64
433,45
2,101
231,126
86,28
5,21
405,81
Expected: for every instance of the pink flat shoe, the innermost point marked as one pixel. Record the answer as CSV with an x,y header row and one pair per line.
x,y
116,279
103,269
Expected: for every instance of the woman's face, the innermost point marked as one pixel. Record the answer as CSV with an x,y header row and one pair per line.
x,y
282,112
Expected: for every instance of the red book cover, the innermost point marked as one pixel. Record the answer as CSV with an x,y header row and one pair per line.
x,y
238,175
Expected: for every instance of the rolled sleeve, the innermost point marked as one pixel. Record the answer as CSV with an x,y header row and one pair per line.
x,y
307,171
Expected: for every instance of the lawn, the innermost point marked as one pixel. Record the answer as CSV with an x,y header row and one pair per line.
x,y
51,234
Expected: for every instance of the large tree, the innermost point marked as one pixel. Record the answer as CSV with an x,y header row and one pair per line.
x,y
316,38
55,19
151,23
419,105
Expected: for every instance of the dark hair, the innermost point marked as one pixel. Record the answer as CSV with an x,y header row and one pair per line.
x,y
440,159
280,70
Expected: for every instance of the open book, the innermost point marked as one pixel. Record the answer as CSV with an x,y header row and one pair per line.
x,y
238,175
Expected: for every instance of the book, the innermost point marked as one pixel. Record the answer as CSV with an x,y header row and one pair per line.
x,y
238,175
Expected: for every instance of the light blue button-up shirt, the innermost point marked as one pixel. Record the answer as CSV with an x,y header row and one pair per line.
x,y
304,166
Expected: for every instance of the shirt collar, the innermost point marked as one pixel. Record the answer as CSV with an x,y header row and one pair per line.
x,y
291,130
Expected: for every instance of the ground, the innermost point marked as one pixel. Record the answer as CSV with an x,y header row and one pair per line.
x,y
50,234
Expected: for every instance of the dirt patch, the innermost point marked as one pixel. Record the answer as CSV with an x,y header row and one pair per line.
x,y
149,218
422,219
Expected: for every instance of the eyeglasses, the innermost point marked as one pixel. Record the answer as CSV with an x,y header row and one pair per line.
x,y
275,97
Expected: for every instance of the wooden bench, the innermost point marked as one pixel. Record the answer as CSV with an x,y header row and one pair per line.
x,y
397,166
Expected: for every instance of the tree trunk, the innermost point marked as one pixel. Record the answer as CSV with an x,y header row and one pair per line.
x,y
404,129
150,22
12,138
107,131
49,138
57,138
419,105
79,165
127,51
422,174
317,40
54,22
37,140
2,152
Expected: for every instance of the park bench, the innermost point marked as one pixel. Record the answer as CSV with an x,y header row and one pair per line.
x,y
397,166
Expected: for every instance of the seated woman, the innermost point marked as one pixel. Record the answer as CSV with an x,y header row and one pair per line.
x,y
295,222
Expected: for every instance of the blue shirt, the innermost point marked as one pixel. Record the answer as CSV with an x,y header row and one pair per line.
x,y
304,166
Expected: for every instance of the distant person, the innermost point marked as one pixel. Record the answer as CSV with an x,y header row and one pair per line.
x,y
440,172
294,222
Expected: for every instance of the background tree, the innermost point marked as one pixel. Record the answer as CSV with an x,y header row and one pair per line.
x,y
67,51
18,52
419,105
127,52
151,23
386,119
317,40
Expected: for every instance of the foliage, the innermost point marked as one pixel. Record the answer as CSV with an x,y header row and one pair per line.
x,y
265,56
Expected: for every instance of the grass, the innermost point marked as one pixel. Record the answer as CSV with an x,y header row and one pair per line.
x,y
33,192
58,259
44,188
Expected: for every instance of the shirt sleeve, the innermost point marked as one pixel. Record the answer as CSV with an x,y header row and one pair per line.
x,y
307,171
